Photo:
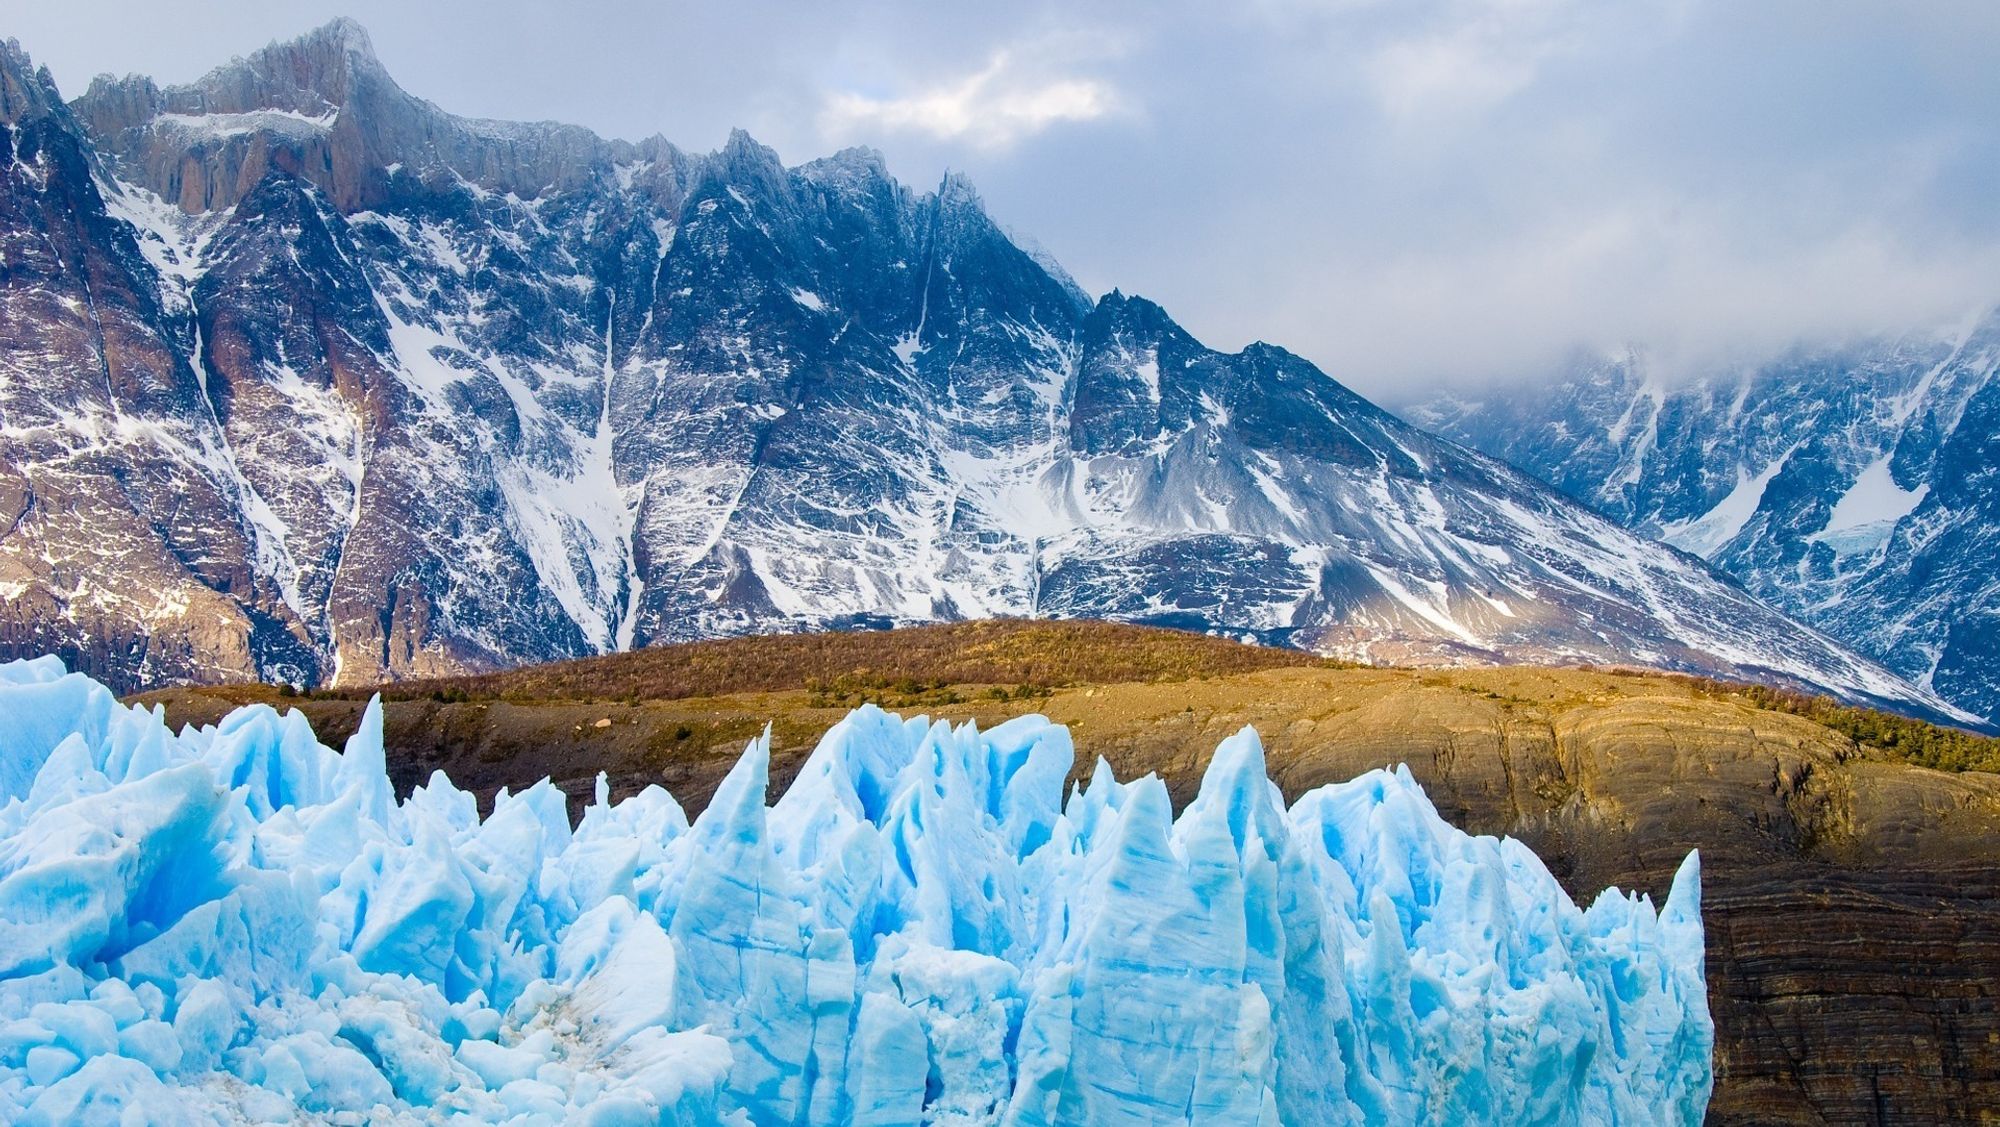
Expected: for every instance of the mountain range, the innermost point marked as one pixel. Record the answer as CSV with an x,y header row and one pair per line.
x,y
1856,487
304,378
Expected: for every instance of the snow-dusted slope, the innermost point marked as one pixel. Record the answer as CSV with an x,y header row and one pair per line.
x,y
1858,489
238,924
454,394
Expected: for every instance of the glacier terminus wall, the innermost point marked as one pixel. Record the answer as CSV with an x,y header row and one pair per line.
x,y
931,925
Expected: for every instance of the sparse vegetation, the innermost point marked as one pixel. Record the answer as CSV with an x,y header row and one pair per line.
x,y
1911,741
908,668
851,690
1900,738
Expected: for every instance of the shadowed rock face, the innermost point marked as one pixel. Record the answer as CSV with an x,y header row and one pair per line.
x,y
1852,903
396,393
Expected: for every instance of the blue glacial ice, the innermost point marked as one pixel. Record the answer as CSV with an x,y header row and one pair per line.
x,y
237,924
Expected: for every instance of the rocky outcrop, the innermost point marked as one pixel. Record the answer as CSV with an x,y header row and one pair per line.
x,y
323,109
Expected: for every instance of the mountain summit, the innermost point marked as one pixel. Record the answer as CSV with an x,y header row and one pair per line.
x,y
309,379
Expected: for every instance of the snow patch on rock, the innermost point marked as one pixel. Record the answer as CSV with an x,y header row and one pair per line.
x,y
1865,516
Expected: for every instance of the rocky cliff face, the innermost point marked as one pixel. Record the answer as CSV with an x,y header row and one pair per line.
x,y
392,392
1856,488
322,109
124,539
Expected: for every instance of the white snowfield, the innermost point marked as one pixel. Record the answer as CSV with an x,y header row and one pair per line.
x,y
239,924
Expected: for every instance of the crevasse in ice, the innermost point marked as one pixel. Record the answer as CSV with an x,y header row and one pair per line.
x,y
238,924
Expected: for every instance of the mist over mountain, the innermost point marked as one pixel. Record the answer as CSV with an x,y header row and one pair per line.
x,y
345,387
1855,487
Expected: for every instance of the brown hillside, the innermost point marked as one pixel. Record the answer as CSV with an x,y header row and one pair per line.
x,y
986,652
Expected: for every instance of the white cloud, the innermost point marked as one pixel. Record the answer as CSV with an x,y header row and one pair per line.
x,y
999,105
1464,56
1675,278
1459,70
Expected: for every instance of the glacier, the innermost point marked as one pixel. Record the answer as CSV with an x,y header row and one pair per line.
x,y
931,925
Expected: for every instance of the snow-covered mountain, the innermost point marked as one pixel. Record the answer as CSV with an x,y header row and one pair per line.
x,y
306,378
1857,488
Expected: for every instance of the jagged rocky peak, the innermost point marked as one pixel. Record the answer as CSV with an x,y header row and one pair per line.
x,y
1121,399
310,78
112,104
206,145
975,276
325,69
859,166
743,160
1144,378
25,92
323,108
961,213
329,63
957,190
1119,312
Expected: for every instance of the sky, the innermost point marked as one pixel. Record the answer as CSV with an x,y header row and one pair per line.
x,y
1414,194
